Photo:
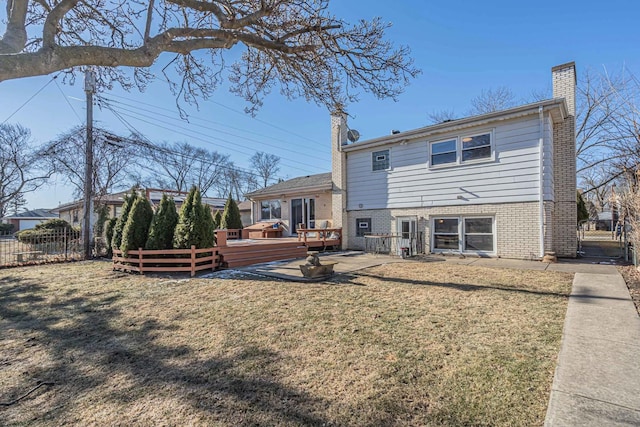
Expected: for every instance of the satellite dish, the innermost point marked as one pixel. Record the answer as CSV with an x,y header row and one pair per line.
x,y
353,135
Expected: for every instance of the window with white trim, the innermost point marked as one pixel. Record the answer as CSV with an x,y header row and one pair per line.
x,y
463,234
380,160
461,149
363,226
270,209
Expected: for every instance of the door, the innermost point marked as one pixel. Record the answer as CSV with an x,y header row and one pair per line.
x,y
407,233
303,211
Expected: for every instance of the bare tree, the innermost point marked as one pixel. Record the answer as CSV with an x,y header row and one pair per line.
x,y
238,183
266,166
20,169
491,100
183,165
441,116
298,45
114,160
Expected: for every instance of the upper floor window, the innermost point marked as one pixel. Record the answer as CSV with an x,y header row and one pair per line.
x,y
476,147
466,148
443,152
380,160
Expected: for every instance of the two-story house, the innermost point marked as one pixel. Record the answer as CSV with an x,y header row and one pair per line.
x,y
501,184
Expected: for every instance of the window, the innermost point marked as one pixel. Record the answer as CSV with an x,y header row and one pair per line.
x,y
463,234
380,160
466,148
445,234
363,226
478,234
443,152
476,147
270,209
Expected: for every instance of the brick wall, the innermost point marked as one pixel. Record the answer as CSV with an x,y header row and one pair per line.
x,y
339,175
564,152
517,225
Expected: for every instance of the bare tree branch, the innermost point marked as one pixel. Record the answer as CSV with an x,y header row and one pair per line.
x,y
298,45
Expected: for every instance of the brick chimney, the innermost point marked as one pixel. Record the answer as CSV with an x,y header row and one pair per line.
x,y
339,174
564,153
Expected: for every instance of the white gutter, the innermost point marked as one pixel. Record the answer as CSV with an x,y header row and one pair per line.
x,y
541,142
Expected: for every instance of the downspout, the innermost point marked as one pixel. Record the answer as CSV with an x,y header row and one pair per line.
x,y
541,142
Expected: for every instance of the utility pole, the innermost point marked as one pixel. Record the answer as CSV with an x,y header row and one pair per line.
x,y
89,88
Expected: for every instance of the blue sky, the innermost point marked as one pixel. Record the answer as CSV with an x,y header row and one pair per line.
x,y
462,48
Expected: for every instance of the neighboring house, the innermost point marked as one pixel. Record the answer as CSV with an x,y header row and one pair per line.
x,y
245,213
501,184
29,219
73,212
303,200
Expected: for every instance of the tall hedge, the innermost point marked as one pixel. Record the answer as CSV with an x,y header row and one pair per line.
x,y
122,220
231,215
136,230
163,225
217,219
109,228
195,224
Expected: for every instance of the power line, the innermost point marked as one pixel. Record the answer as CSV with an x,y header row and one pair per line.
x,y
32,96
150,145
120,114
261,135
104,99
68,103
243,114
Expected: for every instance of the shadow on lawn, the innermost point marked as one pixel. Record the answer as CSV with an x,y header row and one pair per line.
x,y
458,286
85,349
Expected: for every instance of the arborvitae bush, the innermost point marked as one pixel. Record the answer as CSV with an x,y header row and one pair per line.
x,y
109,228
231,216
163,225
136,230
122,220
208,228
195,225
217,218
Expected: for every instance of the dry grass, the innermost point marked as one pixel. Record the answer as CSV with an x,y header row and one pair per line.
x,y
402,344
632,278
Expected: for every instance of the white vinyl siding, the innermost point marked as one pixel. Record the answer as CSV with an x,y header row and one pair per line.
x,y
511,175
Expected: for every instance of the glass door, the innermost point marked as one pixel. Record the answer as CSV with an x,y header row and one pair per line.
x,y
407,233
303,211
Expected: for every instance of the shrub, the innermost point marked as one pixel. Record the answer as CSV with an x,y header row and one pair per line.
x,y
195,224
54,230
109,228
122,220
217,219
163,225
136,230
6,228
231,215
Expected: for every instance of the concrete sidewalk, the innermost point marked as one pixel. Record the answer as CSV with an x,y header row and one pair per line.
x,y
597,379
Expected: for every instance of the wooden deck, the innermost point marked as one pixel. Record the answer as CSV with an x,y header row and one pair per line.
x,y
229,253
240,253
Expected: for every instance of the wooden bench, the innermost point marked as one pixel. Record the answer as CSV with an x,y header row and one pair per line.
x,y
29,255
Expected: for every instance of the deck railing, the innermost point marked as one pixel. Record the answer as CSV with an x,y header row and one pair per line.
x,y
167,260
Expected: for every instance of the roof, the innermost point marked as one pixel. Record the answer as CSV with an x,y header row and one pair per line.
x,y
33,214
321,181
557,107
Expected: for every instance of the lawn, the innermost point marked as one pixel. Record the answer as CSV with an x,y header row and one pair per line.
x,y
401,344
